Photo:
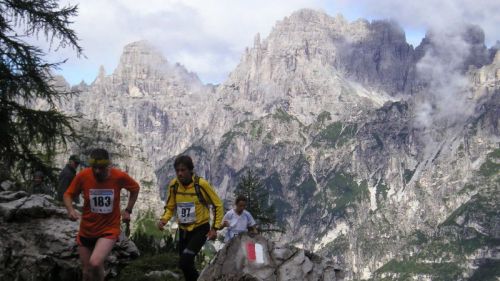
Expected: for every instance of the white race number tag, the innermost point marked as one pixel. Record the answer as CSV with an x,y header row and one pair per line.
x,y
186,212
101,200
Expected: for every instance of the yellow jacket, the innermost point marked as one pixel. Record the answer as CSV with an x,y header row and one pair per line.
x,y
188,195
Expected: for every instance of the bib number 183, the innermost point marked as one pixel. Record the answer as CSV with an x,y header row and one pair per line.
x,y
101,200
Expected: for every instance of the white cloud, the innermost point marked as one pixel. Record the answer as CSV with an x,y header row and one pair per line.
x,y
447,99
437,14
209,36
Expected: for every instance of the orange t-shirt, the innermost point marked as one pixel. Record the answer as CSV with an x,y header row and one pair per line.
x,y
101,206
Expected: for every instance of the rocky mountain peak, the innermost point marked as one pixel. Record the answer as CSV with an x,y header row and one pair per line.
x,y
142,61
309,55
141,53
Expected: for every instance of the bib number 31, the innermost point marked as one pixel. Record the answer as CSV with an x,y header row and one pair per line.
x,y
101,200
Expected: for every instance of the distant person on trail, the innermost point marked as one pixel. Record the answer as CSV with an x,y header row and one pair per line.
x,y
66,176
189,197
238,220
100,221
39,186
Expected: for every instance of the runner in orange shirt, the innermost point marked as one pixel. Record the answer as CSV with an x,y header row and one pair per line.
x,y
100,220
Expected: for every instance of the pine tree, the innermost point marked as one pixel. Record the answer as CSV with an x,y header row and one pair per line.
x,y
29,136
258,205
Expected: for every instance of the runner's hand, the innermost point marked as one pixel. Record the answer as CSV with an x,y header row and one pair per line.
x,y
125,216
212,234
73,215
161,224
225,224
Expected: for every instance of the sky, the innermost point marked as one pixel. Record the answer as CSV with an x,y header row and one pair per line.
x,y
208,37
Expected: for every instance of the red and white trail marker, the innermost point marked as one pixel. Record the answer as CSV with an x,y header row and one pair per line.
x,y
255,252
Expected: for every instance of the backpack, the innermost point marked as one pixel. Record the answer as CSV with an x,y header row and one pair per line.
x,y
197,189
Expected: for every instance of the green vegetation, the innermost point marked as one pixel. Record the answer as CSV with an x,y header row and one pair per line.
x,y
491,167
381,192
273,185
148,238
335,134
284,210
346,190
257,196
488,271
338,247
418,238
467,188
228,138
444,255
31,136
137,270
407,175
380,143
282,115
306,189
440,271
158,252
324,116
257,128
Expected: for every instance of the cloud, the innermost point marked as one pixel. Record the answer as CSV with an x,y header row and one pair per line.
x,y
433,14
447,99
447,96
207,36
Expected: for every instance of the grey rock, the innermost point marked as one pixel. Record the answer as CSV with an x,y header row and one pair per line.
x,y
233,264
7,196
163,274
6,185
37,242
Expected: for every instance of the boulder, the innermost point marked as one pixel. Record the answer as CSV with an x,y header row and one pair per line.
x,y
257,258
37,241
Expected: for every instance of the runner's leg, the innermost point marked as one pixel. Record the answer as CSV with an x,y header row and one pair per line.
x,y
85,253
196,240
101,251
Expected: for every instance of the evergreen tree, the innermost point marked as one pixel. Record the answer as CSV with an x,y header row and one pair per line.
x,y
29,136
258,205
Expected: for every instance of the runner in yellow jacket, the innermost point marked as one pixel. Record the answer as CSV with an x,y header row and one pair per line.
x,y
189,198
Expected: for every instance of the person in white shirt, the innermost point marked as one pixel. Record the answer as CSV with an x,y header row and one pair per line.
x,y
238,220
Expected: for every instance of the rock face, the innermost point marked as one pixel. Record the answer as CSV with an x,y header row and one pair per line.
x,y
37,242
278,263
330,114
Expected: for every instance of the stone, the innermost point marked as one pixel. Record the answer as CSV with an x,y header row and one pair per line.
x,y
232,263
37,242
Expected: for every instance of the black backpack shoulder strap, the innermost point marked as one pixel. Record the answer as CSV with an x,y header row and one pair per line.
x,y
198,190
174,188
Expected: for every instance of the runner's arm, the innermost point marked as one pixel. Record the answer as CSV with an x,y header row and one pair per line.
x,y
216,202
252,225
169,207
224,220
133,188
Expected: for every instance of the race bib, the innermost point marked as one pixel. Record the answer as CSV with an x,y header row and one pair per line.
x,y
101,200
186,212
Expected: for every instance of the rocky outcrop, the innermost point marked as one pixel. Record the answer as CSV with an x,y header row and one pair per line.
x,y
256,258
37,241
